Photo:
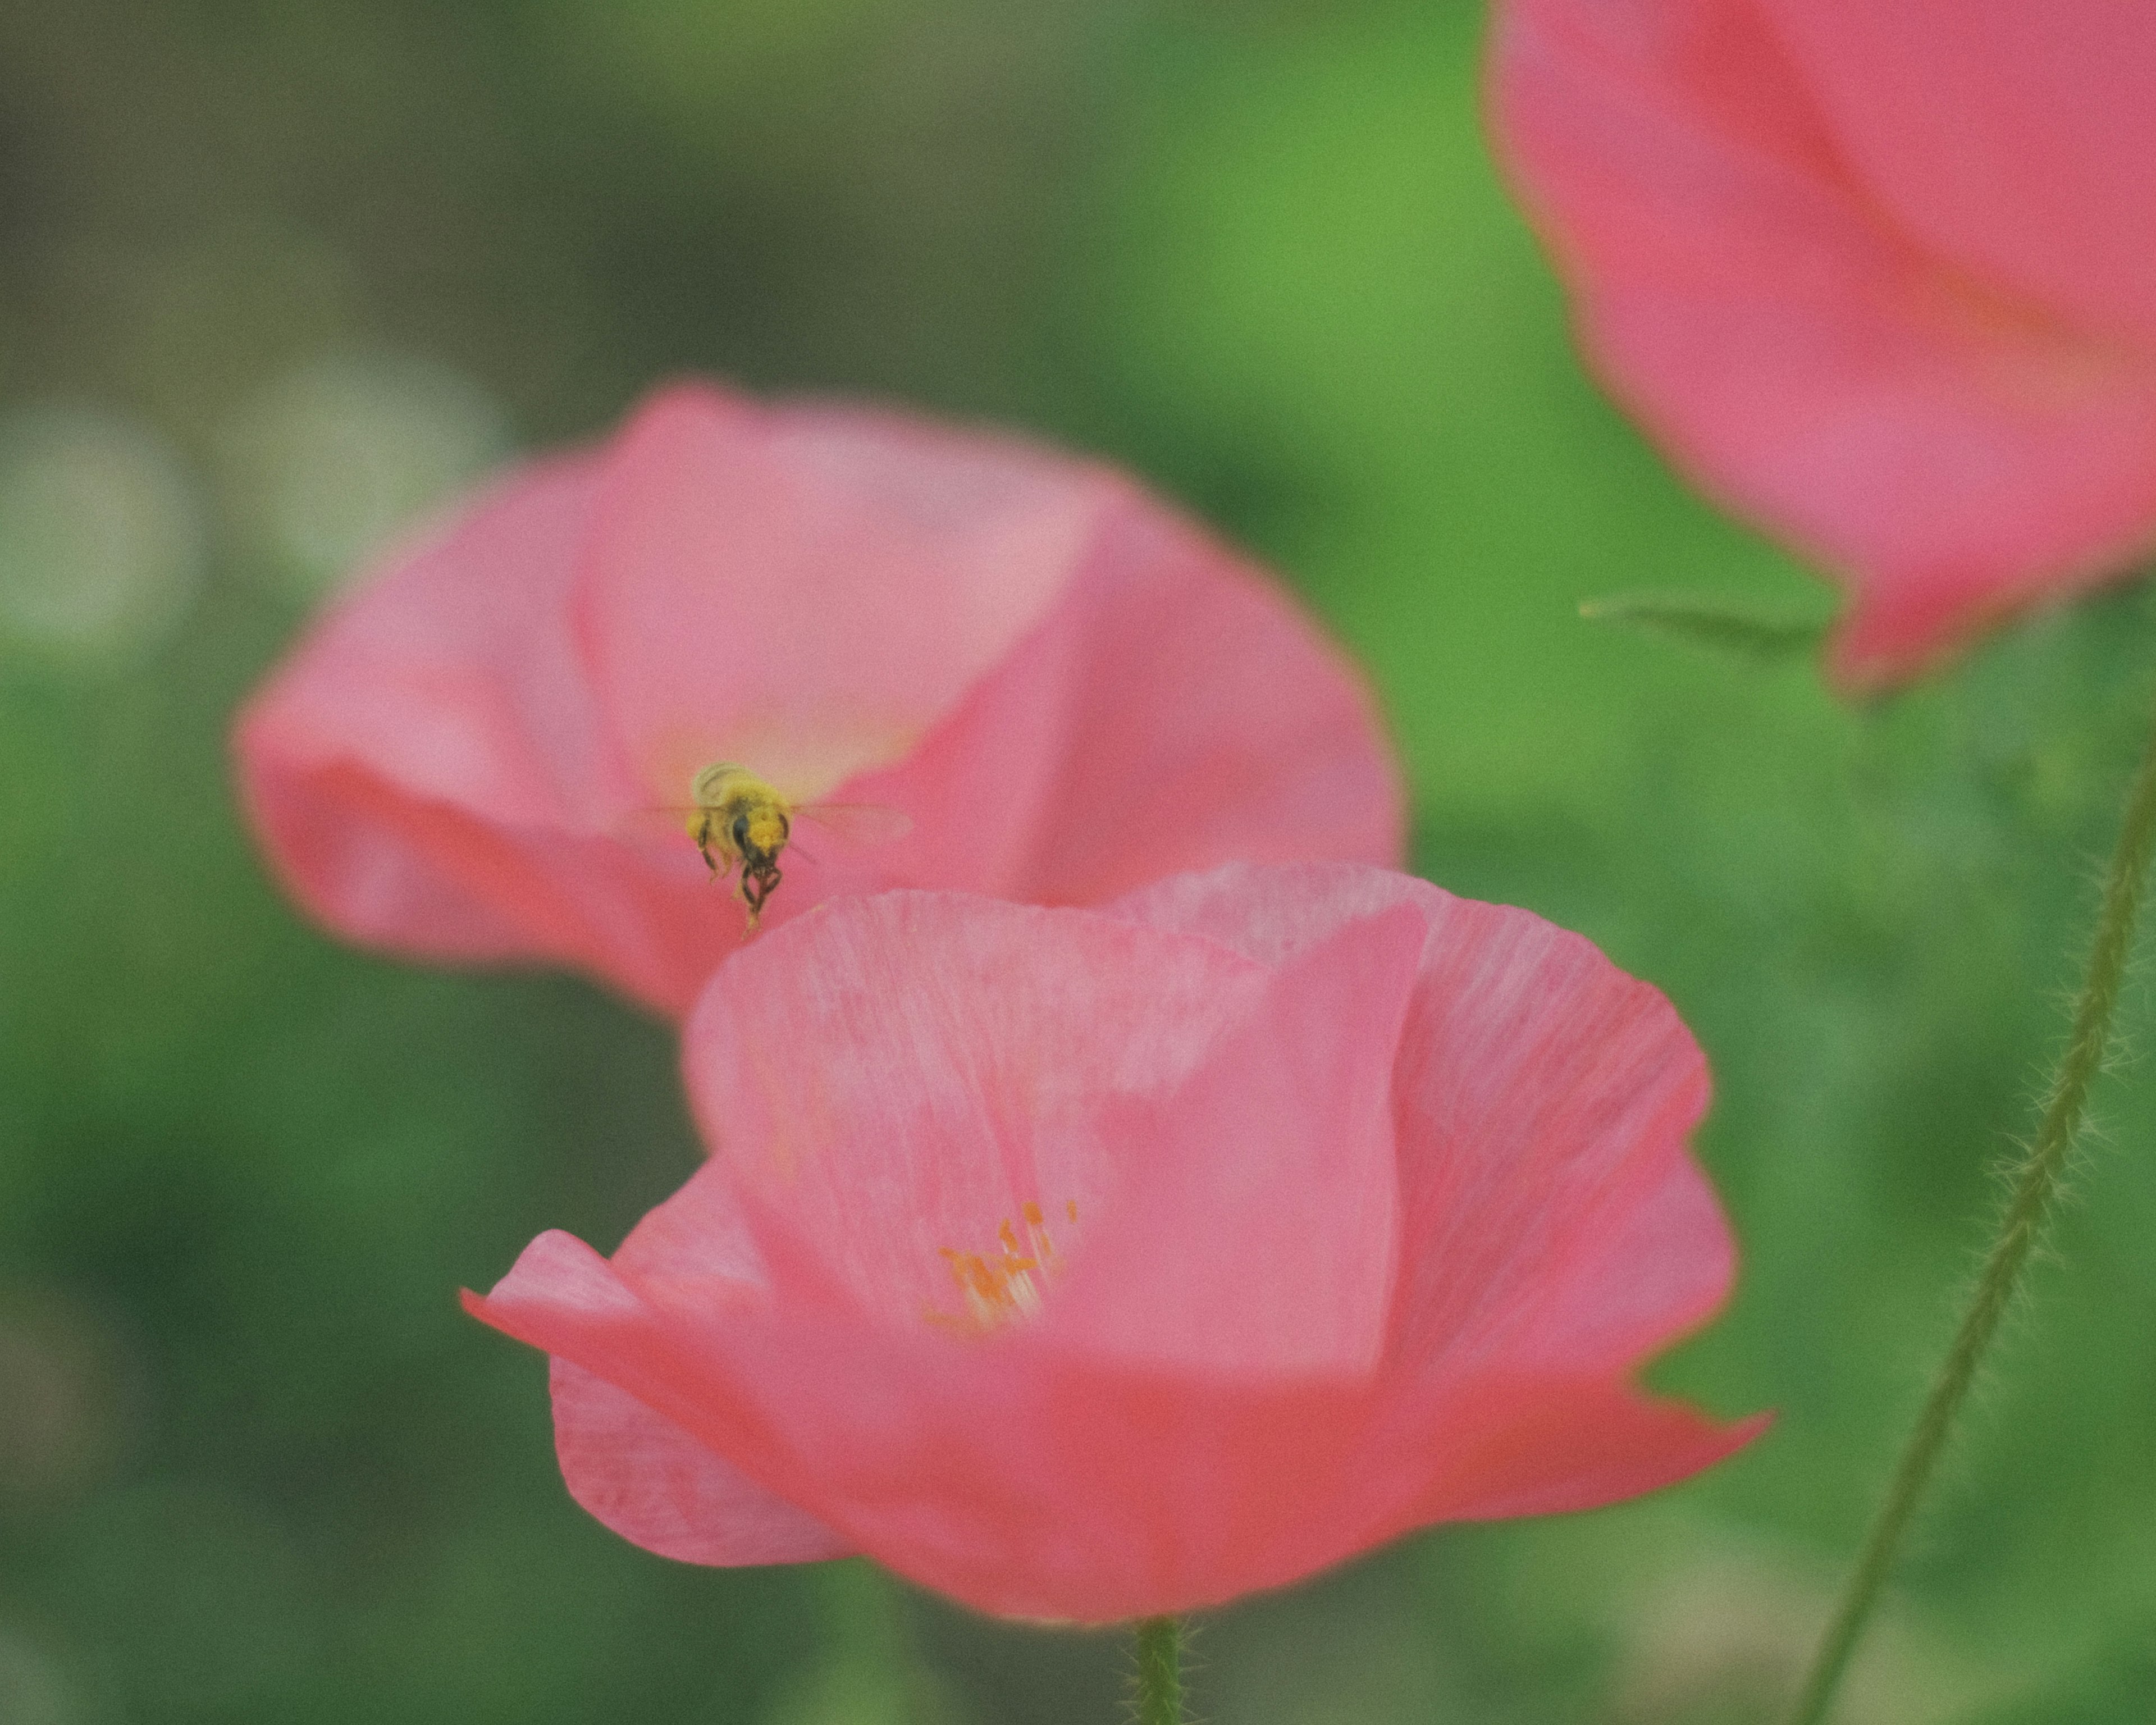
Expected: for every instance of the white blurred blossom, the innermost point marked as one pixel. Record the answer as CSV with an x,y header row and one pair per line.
x,y
102,533
327,463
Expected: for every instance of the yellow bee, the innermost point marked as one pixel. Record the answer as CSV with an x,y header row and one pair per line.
x,y
738,820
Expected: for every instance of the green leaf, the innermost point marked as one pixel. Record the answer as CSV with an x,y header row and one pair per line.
x,y
1739,626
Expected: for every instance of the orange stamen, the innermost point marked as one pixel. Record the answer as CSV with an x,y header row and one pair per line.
x,y
1007,1284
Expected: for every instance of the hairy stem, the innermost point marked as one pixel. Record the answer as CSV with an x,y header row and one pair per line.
x,y
1160,1671
2009,1256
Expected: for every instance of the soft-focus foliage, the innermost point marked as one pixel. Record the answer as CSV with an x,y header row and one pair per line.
x,y
255,1466
1095,1266
1878,276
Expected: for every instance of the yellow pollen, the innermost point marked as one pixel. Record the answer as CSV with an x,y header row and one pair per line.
x,y
1006,1283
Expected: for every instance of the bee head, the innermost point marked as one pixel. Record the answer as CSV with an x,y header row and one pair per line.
x,y
759,833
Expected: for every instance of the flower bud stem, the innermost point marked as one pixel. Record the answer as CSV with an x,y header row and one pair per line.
x,y
1160,1671
2008,1256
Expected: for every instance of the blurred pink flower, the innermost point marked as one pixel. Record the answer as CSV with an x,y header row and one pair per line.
x,y
1089,1264
1882,276
1067,687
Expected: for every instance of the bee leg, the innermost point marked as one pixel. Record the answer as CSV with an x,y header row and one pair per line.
x,y
702,835
757,885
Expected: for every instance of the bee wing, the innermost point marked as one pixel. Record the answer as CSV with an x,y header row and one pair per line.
x,y
860,824
658,825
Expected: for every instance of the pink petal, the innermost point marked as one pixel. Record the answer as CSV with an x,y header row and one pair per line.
x,y
640,1473
1546,1099
1175,685
2013,139
806,590
1276,915
639,1431
1565,1232
893,1081
1036,1482
1335,1270
1257,1228
460,644
428,773
1552,1445
653,1484
1773,243
1561,1232
1257,738
1021,1481
468,758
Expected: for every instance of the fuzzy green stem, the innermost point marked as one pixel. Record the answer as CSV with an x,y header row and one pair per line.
x,y
1160,1671
2009,1256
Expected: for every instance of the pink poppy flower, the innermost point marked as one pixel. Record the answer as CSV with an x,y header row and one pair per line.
x,y
1088,1264
1882,276
1065,687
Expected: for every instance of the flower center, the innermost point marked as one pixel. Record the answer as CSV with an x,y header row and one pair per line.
x,y
1007,1281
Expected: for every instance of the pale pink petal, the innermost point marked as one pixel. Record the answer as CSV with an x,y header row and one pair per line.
x,y
562,1296
653,1484
1332,1271
1544,1101
482,754
450,653
807,591
1032,1482
1172,711
1955,443
428,773
1254,737
460,645
892,1081
1022,1480
640,1472
700,1234
1276,915
1256,1229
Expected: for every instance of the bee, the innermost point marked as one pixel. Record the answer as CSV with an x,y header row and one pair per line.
x,y
740,821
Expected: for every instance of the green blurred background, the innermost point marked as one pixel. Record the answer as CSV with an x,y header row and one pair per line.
x,y
274,275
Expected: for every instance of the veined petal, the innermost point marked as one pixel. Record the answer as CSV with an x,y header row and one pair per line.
x,y
1560,1227
915,1091
653,1483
